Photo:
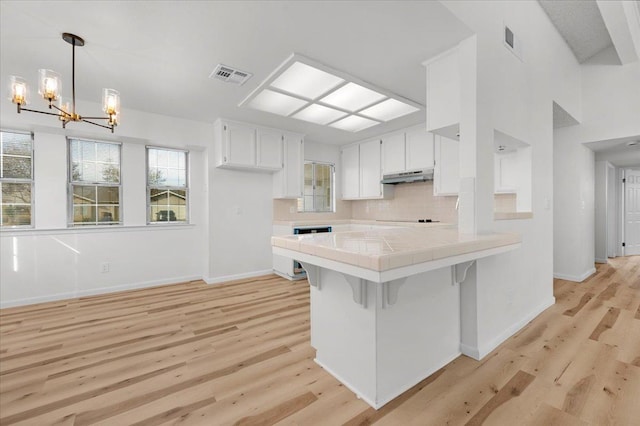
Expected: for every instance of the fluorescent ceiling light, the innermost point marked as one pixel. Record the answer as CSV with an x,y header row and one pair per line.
x,y
276,103
306,81
388,110
319,114
352,97
353,123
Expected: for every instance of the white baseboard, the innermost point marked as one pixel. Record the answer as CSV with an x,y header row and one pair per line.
x,y
598,260
94,291
225,278
575,278
483,349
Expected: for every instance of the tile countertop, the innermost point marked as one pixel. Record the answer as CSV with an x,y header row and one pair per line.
x,y
384,249
300,223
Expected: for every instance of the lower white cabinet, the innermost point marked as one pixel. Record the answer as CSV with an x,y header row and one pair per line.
x,y
446,174
287,183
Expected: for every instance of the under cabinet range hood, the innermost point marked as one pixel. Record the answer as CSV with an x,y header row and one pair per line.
x,y
408,177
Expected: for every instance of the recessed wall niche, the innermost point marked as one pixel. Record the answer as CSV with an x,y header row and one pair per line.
x,y
512,177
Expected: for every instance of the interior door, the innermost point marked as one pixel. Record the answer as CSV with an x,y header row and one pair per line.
x,y
632,212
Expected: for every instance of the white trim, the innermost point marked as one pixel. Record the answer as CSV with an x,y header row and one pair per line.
x,y
575,278
599,260
13,232
398,392
95,291
225,278
484,349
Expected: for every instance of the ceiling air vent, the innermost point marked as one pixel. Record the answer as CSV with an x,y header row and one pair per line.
x,y
230,75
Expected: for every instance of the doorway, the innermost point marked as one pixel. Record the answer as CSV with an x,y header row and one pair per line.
x,y
631,211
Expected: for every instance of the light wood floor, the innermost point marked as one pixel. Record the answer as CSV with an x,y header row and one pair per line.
x,y
239,354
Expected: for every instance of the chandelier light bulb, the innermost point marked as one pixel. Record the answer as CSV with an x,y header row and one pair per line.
x,y
110,101
18,90
50,85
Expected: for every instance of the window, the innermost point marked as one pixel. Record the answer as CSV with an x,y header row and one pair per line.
x,y
94,181
16,179
318,188
167,185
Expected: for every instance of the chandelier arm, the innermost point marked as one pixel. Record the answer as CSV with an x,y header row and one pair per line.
x,y
98,124
95,118
40,112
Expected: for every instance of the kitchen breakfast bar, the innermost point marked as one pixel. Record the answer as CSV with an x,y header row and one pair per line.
x,y
386,303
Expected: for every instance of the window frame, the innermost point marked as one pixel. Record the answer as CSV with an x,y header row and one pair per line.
x,y
185,188
71,183
23,181
332,184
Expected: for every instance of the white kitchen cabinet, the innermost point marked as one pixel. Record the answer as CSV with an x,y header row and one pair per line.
x,y
446,175
287,183
506,173
443,93
247,147
269,148
370,169
419,149
393,153
238,145
351,172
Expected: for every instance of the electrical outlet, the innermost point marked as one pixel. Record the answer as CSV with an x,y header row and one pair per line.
x,y
104,267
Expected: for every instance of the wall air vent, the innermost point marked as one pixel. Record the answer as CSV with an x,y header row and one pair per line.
x,y
230,75
512,42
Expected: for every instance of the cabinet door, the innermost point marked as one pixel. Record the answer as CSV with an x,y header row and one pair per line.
x,y
240,144
446,174
393,154
443,91
506,172
293,166
370,169
419,149
269,149
351,172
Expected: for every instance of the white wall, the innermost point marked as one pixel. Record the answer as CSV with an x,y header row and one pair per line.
x,y
573,224
610,107
601,213
516,97
52,261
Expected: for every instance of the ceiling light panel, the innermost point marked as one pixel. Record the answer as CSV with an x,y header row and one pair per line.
x,y
276,103
306,81
353,123
388,110
319,114
352,97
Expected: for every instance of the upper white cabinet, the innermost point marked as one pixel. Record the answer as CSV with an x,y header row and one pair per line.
x,y
446,175
409,150
362,171
506,173
419,149
269,147
370,169
245,146
443,93
393,154
287,183
351,172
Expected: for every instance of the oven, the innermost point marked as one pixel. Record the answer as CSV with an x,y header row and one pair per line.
x,y
298,270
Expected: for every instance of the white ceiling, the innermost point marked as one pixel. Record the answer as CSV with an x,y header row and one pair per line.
x,y
159,54
581,25
617,151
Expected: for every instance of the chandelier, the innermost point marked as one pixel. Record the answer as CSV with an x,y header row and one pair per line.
x,y
50,86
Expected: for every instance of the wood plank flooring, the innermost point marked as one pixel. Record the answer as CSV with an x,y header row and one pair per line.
x,y
239,354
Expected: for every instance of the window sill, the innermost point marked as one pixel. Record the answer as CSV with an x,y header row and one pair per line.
x,y
93,229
